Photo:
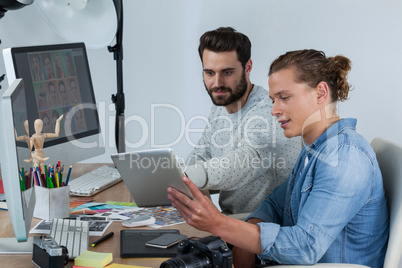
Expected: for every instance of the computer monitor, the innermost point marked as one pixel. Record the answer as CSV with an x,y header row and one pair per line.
x,y
57,81
20,201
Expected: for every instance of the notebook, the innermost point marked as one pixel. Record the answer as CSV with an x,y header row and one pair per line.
x,y
132,243
147,175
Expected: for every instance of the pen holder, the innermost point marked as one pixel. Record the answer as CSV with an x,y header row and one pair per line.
x,y
52,203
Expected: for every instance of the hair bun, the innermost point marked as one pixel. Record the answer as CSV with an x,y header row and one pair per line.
x,y
342,66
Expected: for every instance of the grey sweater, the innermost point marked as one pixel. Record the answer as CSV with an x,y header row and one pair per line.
x,y
245,155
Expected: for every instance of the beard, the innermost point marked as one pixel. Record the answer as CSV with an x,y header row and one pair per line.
x,y
234,95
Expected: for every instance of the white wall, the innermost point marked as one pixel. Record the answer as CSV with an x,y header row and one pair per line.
x,y
161,63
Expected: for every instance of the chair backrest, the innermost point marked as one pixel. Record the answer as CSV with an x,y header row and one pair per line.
x,y
389,157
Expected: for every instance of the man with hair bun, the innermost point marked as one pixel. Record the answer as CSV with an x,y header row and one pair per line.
x,y
332,208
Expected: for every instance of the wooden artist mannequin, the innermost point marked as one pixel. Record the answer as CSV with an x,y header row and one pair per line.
x,y
38,139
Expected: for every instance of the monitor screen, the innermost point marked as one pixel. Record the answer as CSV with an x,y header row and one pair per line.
x,y
57,82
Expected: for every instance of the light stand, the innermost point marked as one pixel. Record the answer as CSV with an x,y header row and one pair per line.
x,y
118,99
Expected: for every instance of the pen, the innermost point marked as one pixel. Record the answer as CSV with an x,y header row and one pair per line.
x,y
53,179
57,179
68,175
32,178
40,183
49,182
103,238
43,180
61,176
36,178
26,180
22,185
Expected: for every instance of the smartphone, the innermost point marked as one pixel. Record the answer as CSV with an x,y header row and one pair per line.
x,y
165,241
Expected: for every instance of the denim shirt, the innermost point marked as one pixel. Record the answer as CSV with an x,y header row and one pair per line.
x,y
332,208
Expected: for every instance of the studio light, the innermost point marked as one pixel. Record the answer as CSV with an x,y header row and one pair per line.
x,y
12,5
92,22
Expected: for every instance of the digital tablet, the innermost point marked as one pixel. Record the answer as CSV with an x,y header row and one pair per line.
x,y
147,175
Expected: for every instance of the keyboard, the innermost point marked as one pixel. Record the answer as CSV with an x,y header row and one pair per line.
x,y
72,234
95,181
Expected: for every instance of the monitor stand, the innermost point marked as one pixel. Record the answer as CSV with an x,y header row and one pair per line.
x,y
12,246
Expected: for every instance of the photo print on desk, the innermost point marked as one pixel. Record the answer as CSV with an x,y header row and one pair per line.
x,y
164,215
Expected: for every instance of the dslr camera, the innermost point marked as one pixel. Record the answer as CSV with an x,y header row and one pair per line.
x,y
47,253
206,252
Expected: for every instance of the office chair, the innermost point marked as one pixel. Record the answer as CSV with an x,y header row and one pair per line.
x,y
389,156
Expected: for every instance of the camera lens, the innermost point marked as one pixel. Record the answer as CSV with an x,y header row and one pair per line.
x,y
191,260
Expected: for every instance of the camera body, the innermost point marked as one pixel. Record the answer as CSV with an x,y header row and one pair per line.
x,y
209,251
47,253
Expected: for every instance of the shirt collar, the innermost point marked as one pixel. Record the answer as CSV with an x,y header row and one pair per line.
x,y
332,131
